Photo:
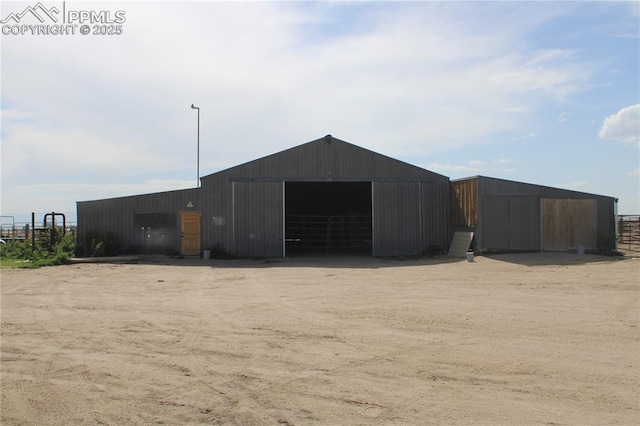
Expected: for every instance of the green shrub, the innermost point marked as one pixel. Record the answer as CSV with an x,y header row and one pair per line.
x,y
607,245
46,252
95,244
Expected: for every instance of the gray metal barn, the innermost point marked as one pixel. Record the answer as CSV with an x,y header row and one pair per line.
x,y
515,216
323,196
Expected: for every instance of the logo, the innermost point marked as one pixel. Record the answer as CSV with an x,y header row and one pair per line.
x,y
62,20
33,10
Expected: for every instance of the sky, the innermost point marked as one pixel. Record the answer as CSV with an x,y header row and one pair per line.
x,y
537,92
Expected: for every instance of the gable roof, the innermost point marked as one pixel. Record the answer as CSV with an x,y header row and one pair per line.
x,y
327,158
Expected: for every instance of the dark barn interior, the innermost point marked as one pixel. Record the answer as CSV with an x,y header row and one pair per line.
x,y
158,232
329,217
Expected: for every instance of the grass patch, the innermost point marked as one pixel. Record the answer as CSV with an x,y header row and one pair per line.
x,y
14,263
48,251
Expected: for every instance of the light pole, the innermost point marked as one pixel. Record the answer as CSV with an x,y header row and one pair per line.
x,y
198,169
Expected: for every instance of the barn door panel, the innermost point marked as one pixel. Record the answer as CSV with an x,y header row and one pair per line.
x,y
568,223
510,223
396,219
258,218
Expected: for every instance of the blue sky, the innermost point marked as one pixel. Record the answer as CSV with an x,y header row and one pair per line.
x,y
539,92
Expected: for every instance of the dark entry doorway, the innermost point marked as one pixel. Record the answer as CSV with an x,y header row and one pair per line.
x,y
328,217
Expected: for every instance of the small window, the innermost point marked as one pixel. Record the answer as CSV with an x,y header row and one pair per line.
x,y
155,220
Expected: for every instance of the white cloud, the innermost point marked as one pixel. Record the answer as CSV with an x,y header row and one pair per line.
x,y
455,168
61,197
564,117
580,184
406,79
472,167
623,126
527,136
633,173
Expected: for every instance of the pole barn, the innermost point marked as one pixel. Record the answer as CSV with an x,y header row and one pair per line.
x,y
325,196
516,216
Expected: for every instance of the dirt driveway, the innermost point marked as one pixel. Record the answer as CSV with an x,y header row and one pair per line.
x,y
511,339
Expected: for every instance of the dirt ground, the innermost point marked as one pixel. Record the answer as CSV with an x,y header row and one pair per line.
x,y
508,339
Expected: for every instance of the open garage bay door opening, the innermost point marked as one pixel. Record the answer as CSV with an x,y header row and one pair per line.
x,y
328,217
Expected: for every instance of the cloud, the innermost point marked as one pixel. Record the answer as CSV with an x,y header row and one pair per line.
x,y
564,117
403,78
527,136
574,185
273,69
633,173
455,168
623,126
61,197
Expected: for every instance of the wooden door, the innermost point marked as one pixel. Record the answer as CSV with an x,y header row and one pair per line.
x,y
568,224
190,233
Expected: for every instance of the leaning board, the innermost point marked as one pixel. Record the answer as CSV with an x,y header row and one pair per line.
x,y
460,244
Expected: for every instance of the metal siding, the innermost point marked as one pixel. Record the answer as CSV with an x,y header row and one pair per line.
x,y
323,161
491,232
436,230
396,219
257,218
326,159
605,221
116,215
524,223
509,223
216,219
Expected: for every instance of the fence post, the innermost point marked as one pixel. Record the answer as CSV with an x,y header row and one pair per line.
x,y
33,231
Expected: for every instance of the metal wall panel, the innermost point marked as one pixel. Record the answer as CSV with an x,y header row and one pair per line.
x,y
524,223
435,215
509,223
117,215
492,233
258,218
323,160
326,159
396,219
489,235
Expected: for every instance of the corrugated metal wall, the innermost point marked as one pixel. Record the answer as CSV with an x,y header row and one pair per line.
x,y
413,209
331,160
509,223
117,215
396,218
242,206
435,214
508,213
325,159
258,218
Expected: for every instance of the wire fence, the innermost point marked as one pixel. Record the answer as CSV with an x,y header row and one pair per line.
x,y
23,231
